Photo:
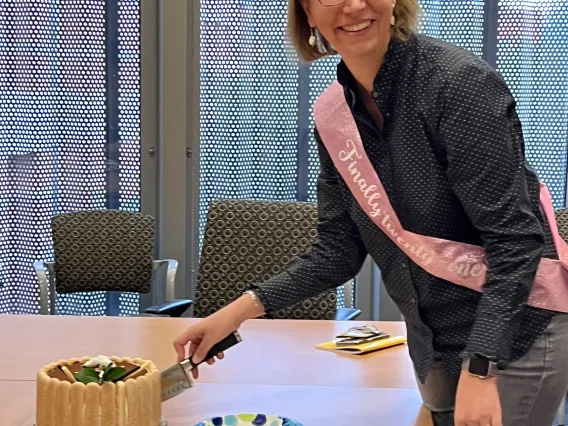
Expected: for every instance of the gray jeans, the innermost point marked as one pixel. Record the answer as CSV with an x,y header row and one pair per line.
x,y
530,389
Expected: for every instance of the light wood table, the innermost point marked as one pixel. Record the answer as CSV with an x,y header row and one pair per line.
x,y
282,351
313,406
275,370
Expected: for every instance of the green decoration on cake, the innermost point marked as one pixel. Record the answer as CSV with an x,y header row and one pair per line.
x,y
99,370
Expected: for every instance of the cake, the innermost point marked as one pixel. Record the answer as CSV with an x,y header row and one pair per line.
x,y
100,391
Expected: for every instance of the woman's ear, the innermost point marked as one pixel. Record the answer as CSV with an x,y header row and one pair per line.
x,y
306,6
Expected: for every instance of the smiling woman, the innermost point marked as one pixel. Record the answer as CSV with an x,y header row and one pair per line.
x,y
386,17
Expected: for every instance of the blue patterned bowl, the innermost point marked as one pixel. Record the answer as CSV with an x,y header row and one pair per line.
x,y
249,420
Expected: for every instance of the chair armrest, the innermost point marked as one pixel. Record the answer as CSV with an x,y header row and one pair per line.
x,y
44,287
173,308
171,272
347,314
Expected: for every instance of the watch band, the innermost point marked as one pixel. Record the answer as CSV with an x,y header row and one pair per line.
x,y
480,367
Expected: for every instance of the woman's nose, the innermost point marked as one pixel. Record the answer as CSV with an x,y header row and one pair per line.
x,y
350,6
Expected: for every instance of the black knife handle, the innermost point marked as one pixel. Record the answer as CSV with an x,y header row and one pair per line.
x,y
228,342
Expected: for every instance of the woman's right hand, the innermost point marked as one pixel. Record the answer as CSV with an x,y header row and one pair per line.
x,y
211,330
201,337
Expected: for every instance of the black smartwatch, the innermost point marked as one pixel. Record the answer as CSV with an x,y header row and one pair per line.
x,y
480,367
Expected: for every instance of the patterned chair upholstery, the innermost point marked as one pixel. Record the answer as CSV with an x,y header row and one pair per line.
x,y
562,222
248,242
105,250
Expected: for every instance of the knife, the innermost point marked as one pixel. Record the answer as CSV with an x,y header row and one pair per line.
x,y
177,378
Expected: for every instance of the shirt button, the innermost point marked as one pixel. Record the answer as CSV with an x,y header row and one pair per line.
x,y
403,265
413,300
375,94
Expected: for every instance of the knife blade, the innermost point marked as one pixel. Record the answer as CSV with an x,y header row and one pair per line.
x,y
177,378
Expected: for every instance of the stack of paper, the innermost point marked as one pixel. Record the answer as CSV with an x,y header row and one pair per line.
x,y
361,340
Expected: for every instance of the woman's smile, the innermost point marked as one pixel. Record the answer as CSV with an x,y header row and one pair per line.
x,y
358,27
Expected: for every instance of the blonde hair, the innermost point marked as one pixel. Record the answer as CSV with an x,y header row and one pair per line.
x,y
406,13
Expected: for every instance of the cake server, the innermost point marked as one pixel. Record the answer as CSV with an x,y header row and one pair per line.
x,y
177,378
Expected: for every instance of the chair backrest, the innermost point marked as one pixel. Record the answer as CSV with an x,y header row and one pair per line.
x,y
104,250
562,222
250,241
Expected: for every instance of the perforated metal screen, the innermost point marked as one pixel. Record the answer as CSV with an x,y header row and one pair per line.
x,y
322,74
129,82
57,151
533,58
249,87
456,21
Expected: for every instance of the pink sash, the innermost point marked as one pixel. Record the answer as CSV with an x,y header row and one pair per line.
x,y
460,263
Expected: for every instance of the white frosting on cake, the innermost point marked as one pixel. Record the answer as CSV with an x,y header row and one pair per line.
x,y
101,361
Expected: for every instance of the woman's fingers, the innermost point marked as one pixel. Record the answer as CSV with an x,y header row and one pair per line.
x,y
195,373
179,346
220,355
211,361
192,348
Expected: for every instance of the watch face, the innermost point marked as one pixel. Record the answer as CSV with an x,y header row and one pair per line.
x,y
479,367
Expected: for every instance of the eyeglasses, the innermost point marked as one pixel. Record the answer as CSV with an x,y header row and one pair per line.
x,y
331,2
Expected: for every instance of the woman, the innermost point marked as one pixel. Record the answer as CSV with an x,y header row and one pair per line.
x,y
435,129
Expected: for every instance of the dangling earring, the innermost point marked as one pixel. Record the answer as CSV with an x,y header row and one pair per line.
x,y
312,39
393,19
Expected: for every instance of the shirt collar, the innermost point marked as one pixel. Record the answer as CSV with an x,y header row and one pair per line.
x,y
386,78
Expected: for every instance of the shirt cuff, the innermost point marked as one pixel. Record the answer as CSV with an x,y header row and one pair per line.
x,y
492,338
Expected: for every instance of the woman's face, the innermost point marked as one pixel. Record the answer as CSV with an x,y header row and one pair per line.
x,y
354,27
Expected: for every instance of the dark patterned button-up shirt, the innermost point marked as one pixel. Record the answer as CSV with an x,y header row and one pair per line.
x,y
450,154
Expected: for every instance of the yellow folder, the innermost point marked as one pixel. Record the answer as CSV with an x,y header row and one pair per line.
x,y
363,347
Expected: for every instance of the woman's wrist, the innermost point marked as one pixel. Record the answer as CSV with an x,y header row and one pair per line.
x,y
246,307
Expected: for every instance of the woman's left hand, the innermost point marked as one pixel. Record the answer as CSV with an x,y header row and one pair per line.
x,y
477,402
